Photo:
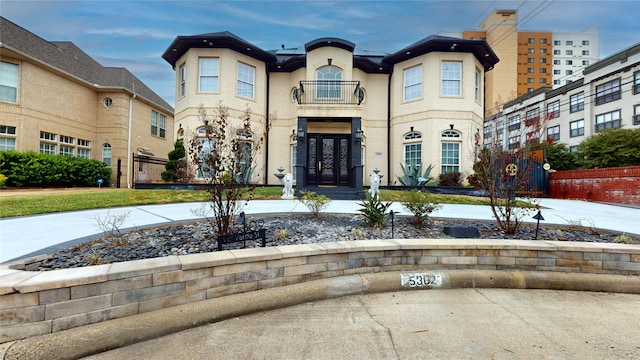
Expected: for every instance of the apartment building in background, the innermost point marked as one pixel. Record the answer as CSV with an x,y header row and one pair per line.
x,y
606,96
336,115
531,59
56,99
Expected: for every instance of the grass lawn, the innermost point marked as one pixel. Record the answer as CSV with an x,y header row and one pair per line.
x,y
32,202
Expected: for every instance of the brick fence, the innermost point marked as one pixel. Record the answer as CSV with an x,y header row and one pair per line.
x,y
38,303
615,185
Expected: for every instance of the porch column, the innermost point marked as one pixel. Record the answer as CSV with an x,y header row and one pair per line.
x,y
301,154
356,175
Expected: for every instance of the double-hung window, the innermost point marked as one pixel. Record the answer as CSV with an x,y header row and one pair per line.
x,y
636,82
553,133
8,82
209,72
154,122
607,92
413,83
451,78
183,79
576,102
553,110
610,120
7,137
636,115
163,126
577,128
514,123
246,80
532,117
478,84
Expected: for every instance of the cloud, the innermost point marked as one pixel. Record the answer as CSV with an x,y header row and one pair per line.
x,y
133,32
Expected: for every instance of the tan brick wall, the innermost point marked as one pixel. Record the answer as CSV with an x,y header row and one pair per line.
x,y
56,103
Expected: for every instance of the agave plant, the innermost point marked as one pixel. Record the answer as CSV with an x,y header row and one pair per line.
x,y
412,175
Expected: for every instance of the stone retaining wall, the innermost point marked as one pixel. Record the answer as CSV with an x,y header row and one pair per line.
x,y
37,303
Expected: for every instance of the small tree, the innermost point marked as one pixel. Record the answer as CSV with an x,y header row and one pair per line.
x,y
221,157
177,164
504,175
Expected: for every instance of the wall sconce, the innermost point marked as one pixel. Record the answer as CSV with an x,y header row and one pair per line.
x,y
411,129
300,134
329,60
359,133
451,126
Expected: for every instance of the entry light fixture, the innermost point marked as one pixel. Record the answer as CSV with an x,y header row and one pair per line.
x,y
300,133
359,133
329,60
451,126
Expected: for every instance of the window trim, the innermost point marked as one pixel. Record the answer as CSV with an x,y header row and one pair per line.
x,y
12,75
579,130
608,91
214,76
576,102
453,80
602,123
408,75
242,82
553,133
183,79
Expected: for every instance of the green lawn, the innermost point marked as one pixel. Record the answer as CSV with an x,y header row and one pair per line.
x,y
22,203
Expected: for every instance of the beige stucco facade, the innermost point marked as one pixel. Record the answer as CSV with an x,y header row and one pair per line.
x,y
366,98
71,109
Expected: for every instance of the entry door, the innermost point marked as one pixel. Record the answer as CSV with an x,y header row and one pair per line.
x,y
328,160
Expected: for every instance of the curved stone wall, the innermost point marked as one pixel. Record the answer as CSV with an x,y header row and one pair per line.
x,y
38,303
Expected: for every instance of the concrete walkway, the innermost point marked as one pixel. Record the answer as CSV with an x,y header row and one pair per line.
x,y
42,234
424,324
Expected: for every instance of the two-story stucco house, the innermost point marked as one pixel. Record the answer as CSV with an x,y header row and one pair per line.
x,y
333,114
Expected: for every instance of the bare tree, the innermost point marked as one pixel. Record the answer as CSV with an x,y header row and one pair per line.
x,y
505,175
224,157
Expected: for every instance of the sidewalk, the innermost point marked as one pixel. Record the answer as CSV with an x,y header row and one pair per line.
x,y
41,234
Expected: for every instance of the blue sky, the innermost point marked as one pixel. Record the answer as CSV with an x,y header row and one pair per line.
x,y
134,34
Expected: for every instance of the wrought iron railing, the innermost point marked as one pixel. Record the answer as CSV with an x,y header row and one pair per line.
x,y
314,92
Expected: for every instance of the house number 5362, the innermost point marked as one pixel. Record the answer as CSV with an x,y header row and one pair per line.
x,y
421,280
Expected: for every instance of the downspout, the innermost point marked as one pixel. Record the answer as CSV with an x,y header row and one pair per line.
x,y
266,138
129,165
389,175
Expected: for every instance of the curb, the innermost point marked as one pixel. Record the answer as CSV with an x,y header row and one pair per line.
x,y
87,340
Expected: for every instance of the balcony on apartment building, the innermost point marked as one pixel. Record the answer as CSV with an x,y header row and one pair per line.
x,y
329,92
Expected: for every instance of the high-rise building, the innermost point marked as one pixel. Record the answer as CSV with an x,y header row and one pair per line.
x,y
530,59
572,52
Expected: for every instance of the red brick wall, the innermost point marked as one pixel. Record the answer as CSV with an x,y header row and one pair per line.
x,y
616,185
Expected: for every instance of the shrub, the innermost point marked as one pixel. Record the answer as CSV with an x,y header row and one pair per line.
x,y
314,202
177,164
31,169
374,210
453,178
417,203
3,180
610,148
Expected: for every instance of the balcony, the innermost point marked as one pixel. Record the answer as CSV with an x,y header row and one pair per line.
x,y
329,92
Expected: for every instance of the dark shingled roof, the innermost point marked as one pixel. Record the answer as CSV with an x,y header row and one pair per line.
x,y
66,57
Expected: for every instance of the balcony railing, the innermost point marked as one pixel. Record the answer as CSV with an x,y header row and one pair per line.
x,y
329,92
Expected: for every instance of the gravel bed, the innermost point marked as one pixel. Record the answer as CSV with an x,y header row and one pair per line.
x,y
199,237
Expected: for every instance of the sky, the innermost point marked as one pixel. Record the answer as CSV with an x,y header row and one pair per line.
x,y
135,33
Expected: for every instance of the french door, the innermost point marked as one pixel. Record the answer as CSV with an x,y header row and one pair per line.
x,y
328,160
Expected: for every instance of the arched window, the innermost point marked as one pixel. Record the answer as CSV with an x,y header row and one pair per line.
x,y
413,148
106,154
329,79
450,151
